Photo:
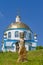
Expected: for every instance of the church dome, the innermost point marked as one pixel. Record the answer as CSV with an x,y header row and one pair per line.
x,y
18,24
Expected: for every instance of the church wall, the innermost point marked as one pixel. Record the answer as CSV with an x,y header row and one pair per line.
x,y
27,45
34,44
9,45
13,34
10,41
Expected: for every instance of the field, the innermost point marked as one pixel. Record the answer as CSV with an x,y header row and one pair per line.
x,y
34,58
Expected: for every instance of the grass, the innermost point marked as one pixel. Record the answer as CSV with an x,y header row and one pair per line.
x,y
34,58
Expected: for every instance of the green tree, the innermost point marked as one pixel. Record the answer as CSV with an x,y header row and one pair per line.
x,y
39,47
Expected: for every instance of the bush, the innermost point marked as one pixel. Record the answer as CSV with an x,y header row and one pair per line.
x,y
39,47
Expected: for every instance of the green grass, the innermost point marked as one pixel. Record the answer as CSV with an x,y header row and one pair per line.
x,y
34,58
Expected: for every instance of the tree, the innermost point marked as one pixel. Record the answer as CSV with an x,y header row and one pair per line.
x,y
39,47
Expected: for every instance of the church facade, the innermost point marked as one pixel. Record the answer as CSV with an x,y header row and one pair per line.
x,y
11,37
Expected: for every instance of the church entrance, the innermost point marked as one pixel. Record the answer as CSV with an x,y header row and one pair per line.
x,y
17,46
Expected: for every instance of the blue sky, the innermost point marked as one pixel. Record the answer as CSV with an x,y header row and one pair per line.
x,y
31,12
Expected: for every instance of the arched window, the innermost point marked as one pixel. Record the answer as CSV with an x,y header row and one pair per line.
x,y
30,36
25,34
9,34
16,34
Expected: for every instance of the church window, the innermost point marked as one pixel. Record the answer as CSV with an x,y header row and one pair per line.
x,y
29,35
25,33
9,34
16,34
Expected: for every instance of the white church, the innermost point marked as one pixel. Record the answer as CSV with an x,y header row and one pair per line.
x,y
11,36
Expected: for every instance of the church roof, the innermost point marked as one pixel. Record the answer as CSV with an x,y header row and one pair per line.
x,y
18,25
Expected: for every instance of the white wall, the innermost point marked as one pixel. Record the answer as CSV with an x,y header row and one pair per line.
x,y
34,44
8,43
17,38
27,46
